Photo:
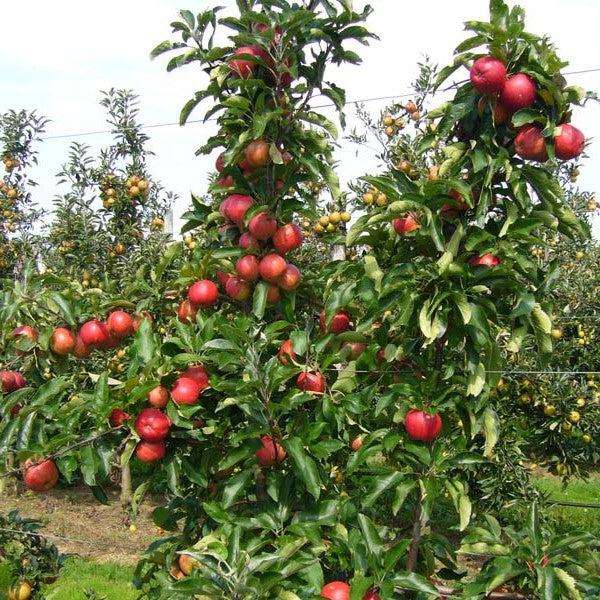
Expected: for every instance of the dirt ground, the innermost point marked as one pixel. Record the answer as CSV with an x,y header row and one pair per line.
x,y
98,532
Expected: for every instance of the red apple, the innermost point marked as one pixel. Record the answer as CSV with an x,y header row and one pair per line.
x,y
336,590
226,182
273,294
94,333
488,75
247,267
27,331
235,207
238,289
81,350
118,417
568,142
152,425
356,443
150,452
19,380
199,374
270,453
518,92
244,67
119,323
530,143
186,312
290,279
501,113
257,154
262,226
286,352
185,391
339,323
40,476
7,379
406,224
62,341
247,242
311,382
485,260
222,277
220,162
356,349
203,293
287,238
422,426
272,267
158,396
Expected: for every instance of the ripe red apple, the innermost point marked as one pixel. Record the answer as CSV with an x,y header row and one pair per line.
x,y
422,426
262,226
119,323
484,260
568,142
222,277
356,443
257,154
339,323
287,238
158,396
152,425
62,341
406,224
286,352
244,67
247,267
220,162
238,289
40,476
81,350
226,182
373,595
185,391
247,242
203,293
27,331
273,294
452,209
290,279
530,143
186,313
19,380
518,92
311,382
118,417
501,113
7,379
94,333
272,267
150,452
488,75
336,590
356,349
199,374
235,207
270,453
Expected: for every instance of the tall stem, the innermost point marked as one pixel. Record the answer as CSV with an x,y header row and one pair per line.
x,y
126,493
413,551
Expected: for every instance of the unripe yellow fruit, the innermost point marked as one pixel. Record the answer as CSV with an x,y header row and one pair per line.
x,y
381,200
335,217
368,198
324,220
574,416
330,228
549,410
346,216
387,121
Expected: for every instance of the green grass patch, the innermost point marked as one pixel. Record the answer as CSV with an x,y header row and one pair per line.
x,y
111,581
565,519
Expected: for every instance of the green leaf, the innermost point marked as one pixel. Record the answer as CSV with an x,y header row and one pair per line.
x,y
259,299
382,484
235,486
144,340
491,429
414,582
63,307
305,467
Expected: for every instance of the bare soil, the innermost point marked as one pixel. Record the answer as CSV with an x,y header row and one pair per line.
x,y
96,531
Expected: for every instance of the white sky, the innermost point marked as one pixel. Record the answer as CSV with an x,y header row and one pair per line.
x,y
56,56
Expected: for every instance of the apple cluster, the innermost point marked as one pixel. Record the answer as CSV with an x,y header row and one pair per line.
x,y
516,92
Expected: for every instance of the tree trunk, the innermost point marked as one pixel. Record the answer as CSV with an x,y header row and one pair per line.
x,y
126,493
413,551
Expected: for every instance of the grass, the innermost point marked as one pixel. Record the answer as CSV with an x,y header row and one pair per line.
x,y
565,519
110,581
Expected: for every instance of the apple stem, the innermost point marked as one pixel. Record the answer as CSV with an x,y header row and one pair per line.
x,y
413,551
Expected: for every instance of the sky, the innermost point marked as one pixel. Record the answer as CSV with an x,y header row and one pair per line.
x,y
56,56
